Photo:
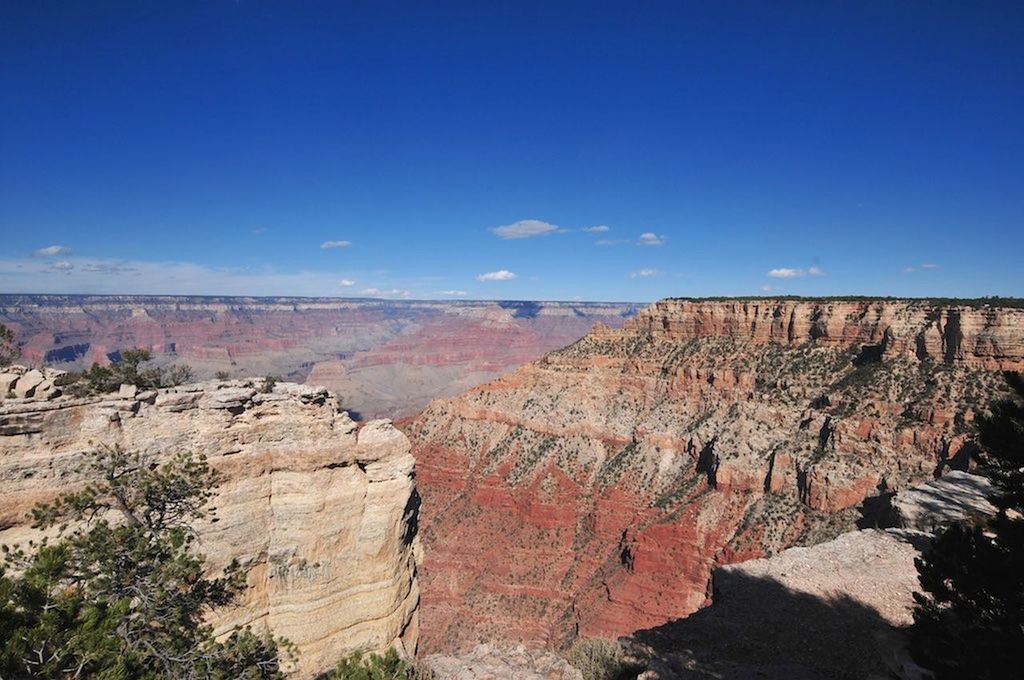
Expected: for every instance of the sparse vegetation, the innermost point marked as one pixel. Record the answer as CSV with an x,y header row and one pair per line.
x,y
9,350
387,666
222,375
599,659
973,303
267,386
969,621
129,369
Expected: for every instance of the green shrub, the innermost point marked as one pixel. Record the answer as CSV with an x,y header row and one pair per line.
x,y
388,666
9,350
267,386
127,370
599,659
222,375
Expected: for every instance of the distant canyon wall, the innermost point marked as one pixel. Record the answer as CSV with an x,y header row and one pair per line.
x,y
323,513
594,490
383,358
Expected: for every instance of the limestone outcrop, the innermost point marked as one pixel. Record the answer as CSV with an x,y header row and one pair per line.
x,y
595,490
323,513
21,382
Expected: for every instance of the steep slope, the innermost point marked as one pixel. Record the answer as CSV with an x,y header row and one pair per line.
x,y
325,515
833,610
595,489
382,357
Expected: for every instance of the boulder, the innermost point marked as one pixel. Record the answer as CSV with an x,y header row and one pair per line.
x,y
27,384
7,383
46,390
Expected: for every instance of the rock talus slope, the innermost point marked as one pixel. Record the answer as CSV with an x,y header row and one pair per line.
x,y
592,492
324,514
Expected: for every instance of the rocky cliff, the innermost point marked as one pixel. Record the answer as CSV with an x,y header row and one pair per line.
x,y
834,610
381,357
324,513
594,490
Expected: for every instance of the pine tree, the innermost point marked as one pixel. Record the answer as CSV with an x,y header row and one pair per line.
x,y
120,593
9,350
969,622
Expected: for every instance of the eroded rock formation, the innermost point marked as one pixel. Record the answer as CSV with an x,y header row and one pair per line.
x,y
834,610
381,357
594,490
323,513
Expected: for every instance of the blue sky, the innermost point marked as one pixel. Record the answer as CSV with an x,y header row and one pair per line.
x,y
726,148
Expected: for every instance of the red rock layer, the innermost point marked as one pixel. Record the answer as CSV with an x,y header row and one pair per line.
x,y
594,490
383,357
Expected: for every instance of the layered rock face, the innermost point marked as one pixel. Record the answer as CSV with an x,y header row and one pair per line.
x,y
594,490
323,513
834,610
383,358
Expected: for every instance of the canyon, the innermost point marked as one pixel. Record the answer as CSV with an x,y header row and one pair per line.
x,y
654,478
321,512
594,492
382,358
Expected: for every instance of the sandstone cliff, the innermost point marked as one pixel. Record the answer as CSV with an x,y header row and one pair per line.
x,y
594,490
323,513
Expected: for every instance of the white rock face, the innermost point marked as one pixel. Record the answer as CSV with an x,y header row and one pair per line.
x,y
487,662
27,384
323,514
948,499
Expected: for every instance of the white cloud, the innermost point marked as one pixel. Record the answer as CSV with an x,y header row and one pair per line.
x,y
793,273
393,293
644,274
82,275
452,293
598,229
500,275
609,242
52,251
525,229
786,273
649,238
347,283
767,288
328,245
911,270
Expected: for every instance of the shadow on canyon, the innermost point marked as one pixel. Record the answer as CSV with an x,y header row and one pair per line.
x,y
759,628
